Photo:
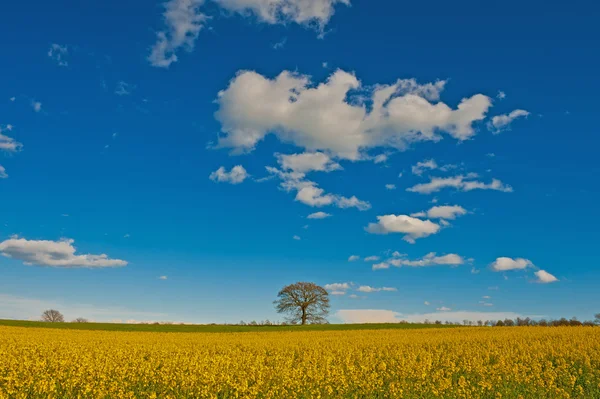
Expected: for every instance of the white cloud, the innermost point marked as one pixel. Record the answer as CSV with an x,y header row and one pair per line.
x,y
318,215
53,253
338,293
36,105
443,309
353,258
373,258
163,278
426,303
305,12
7,143
390,186
504,264
501,95
326,117
459,182
353,316
381,266
420,167
3,174
486,297
337,286
297,238
413,228
381,158
236,176
500,123
544,277
12,99
368,289
183,21
431,259
307,162
310,194
442,212
124,88
58,53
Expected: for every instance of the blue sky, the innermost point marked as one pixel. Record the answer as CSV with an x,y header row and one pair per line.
x,y
143,132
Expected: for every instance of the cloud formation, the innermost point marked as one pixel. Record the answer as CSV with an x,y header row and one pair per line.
x,y
544,277
236,176
307,162
328,117
459,182
304,12
503,264
54,254
431,259
319,215
368,289
413,228
8,144
442,212
420,167
500,123
309,193
183,21
3,174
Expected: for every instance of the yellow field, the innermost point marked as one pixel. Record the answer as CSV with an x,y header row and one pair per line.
x,y
525,362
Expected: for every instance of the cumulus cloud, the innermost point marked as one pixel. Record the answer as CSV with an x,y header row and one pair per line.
x,y
183,22
459,182
338,289
413,228
501,95
163,278
236,176
3,174
421,167
442,212
504,264
544,277
368,289
354,316
58,53
309,193
500,123
307,162
297,238
353,258
304,12
431,259
36,105
328,117
7,143
54,253
373,258
390,186
319,215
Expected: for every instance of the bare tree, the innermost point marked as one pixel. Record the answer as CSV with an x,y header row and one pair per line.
x,y
305,303
80,320
597,318
52,316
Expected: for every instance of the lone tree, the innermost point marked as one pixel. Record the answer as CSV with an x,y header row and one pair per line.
x,y
80,320
597,318
52,316
304,303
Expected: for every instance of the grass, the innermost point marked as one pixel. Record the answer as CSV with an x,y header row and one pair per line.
x,y
212,328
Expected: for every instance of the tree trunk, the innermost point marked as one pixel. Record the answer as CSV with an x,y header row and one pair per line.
x,y
303,316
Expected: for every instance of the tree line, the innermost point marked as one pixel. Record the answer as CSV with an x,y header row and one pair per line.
x,y
307,303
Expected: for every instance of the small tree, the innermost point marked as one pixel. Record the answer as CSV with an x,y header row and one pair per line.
x,y
80,320
53,316
305,303
597,318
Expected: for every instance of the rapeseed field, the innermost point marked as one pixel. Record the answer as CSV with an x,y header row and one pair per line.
x,y
521,362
